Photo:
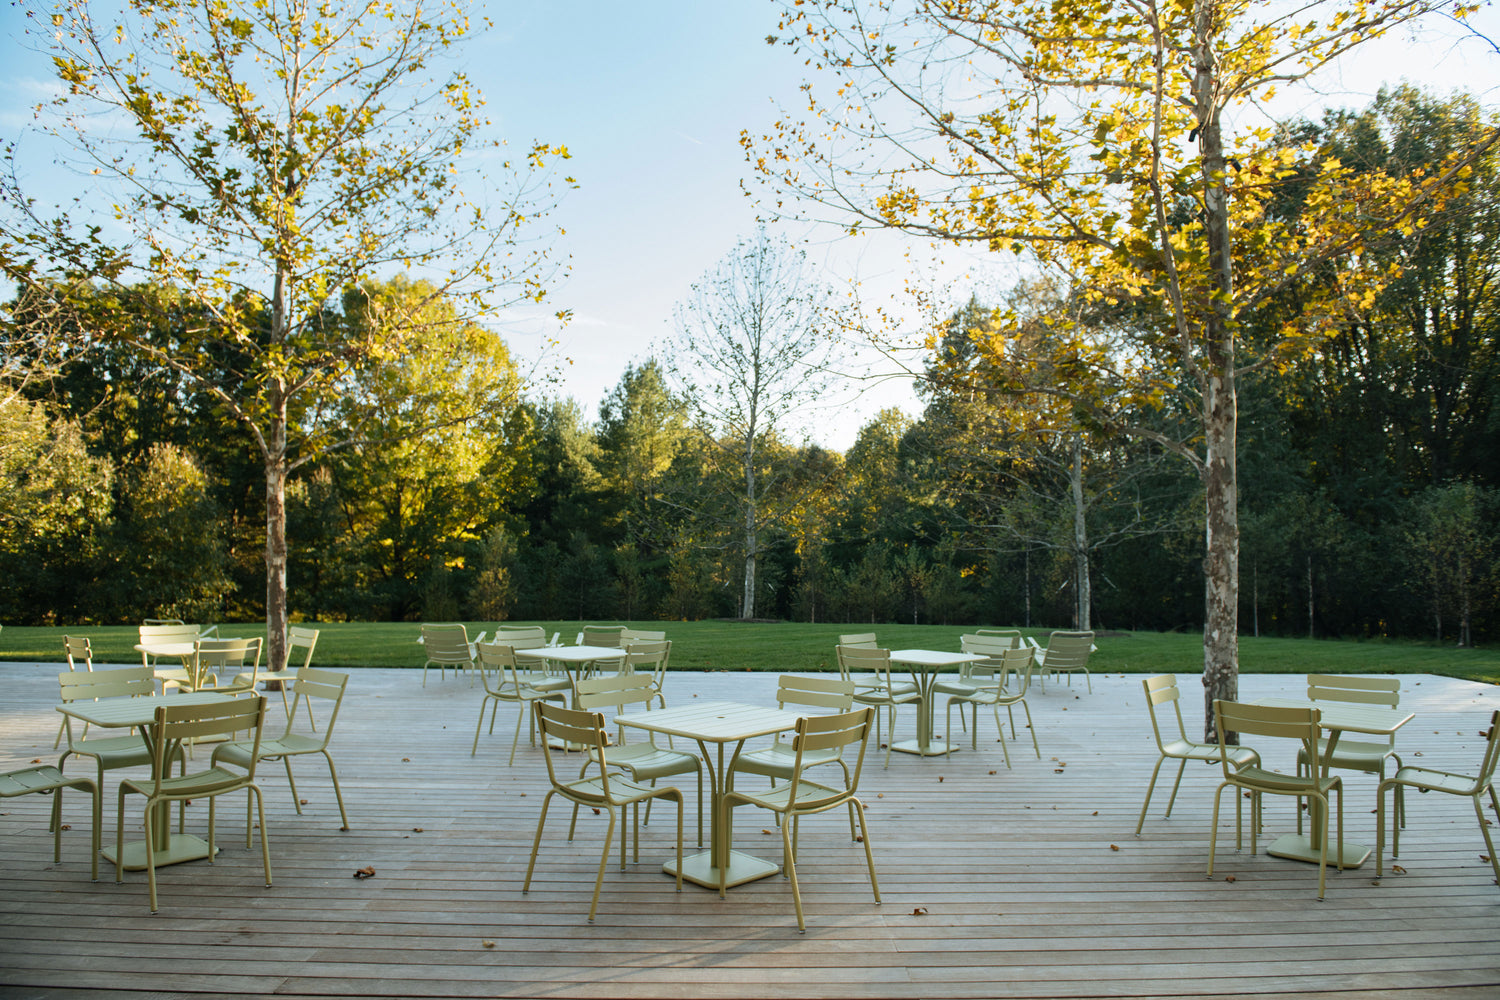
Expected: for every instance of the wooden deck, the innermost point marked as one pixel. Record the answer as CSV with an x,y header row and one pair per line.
x,y
997,883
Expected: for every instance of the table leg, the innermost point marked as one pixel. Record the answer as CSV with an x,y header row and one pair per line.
x,y
704,867
1309,847
925,744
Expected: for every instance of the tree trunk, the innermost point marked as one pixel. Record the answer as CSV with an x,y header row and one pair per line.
x,y
1309,598
1082,586
747,604
276,552
1217,379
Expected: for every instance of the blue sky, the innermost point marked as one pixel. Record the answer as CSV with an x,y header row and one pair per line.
x,y
650,97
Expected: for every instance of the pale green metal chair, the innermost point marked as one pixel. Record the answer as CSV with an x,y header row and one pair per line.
x,y
887,694
1162,690
75,647
1471,786
107,752
608,790
178,724
643,759
311,683
48,780
1300,724
1349,754
447,646
1008,691
512,682
816,736
1067,653
303,638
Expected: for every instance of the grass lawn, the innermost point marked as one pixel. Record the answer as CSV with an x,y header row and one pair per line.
x,y
727,645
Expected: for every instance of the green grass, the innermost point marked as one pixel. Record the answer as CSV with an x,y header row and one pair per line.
x,y
723,645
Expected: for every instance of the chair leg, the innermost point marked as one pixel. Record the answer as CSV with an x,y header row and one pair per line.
x,y
475,748
292,782
337,792
1213,830
536,842
864,833
1380,830
265,841
609,836
1150,790
151,851
999,729
789,859
1489,843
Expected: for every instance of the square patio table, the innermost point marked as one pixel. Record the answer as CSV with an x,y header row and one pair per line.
x,y
719,723
1335,719
140,714
925,665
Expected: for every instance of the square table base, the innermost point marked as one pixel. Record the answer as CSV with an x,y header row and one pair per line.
x,y
936,748
182,847
699,868
1299,847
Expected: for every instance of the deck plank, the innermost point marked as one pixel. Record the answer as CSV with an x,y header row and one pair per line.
x,y
1021,882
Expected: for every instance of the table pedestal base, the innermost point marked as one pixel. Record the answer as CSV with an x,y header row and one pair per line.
x,y
699,868
182,847
935,748
1299,847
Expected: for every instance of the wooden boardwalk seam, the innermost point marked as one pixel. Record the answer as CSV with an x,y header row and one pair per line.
x,y
997,883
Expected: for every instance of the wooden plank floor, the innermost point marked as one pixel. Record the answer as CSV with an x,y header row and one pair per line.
x,y
1026,882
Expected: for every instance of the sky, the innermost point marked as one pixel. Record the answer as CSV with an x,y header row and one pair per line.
x,y
650,98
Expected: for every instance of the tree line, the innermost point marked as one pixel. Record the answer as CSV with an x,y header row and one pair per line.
x,y
1368,498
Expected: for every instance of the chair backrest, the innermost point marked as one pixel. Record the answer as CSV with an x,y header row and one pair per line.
x,y
210,655
1161,690
649,657
574,728
446,643
865,639
311,683
168,632
986,645
603,635
815,692
1068,650
1354,689
1013,634
301,637
816,733
521,636
122,682
161,621
78,647
614,691
644,635
864,658
1263,720
178,724
1016,662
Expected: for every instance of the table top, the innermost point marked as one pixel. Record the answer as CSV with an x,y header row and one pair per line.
x,y
165,648
572,654
933,658
116,713
713,721
1372,719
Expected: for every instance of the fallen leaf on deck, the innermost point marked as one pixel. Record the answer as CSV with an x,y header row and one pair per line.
x,y
880,795
1482,857
36,760
768,833
368,871
416,829
1398,869
1057,770
488,944
920,911
1114,847
940,779
994,772
69,826
596,812
1229,878
406,760
304,802
1096,812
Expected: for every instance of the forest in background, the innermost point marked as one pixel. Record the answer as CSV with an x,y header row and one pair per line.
x,y
1368,478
